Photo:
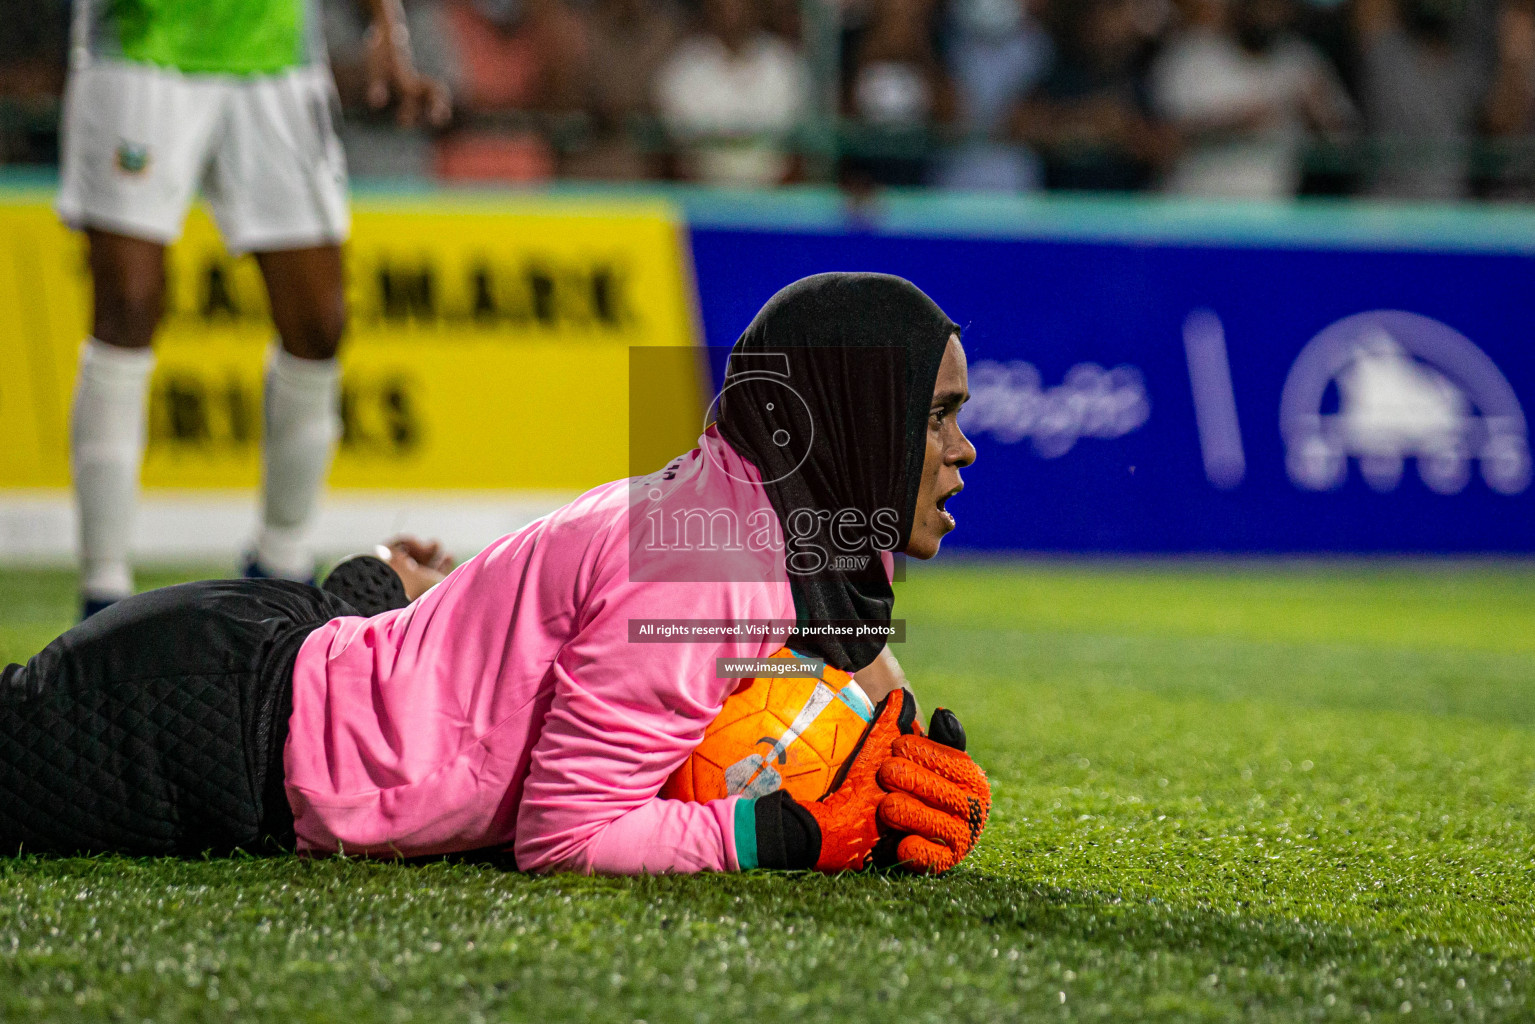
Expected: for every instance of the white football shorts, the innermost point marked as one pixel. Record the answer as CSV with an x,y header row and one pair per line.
x,y
139,141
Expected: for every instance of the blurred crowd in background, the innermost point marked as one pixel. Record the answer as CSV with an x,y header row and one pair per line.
x,y
1409,99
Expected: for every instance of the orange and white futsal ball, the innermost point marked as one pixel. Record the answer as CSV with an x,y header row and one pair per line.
x,y
777,732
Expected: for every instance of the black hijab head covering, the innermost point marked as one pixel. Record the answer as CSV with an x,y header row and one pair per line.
x,y
827,393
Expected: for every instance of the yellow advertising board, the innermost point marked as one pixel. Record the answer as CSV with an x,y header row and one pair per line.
x,y
488,346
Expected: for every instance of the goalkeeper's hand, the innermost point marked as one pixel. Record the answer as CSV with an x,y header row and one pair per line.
x,y
421,564
937,794
840,831
848,815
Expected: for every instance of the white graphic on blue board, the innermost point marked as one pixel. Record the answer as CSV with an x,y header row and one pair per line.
x,y
1406,387
1009,402
1215,403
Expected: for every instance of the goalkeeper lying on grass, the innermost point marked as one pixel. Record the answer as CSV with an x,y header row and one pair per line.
x,y
512,706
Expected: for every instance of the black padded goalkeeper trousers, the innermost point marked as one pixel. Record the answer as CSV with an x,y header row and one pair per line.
x,y
157,725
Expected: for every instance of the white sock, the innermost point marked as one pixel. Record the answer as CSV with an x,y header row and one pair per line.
x,y
302,425
106,448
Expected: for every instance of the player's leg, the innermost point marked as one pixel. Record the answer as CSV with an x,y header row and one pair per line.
x,y
157,726
278,188
127,288
308,303
134,139
107,415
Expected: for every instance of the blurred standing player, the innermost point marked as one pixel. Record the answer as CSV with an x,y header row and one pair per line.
x,y
233,97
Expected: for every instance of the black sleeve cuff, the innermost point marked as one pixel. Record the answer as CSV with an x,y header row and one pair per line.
x,y
788,837
368,584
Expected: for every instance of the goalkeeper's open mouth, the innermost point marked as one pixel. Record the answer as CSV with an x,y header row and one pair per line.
x,y
942,503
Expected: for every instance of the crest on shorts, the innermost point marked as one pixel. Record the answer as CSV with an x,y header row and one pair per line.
x,y
132,158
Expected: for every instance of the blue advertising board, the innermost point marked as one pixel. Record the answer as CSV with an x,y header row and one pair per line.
x,y
1147,394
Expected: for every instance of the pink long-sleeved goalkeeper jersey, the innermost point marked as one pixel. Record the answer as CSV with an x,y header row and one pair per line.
x,y
508,706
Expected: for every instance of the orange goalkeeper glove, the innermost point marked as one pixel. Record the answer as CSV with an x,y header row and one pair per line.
x,y
848,815
839,831
938,795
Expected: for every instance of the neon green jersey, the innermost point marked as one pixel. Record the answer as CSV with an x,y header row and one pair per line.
x,y
229,37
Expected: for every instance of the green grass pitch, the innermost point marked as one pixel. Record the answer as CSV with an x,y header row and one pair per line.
x,y
1222,792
